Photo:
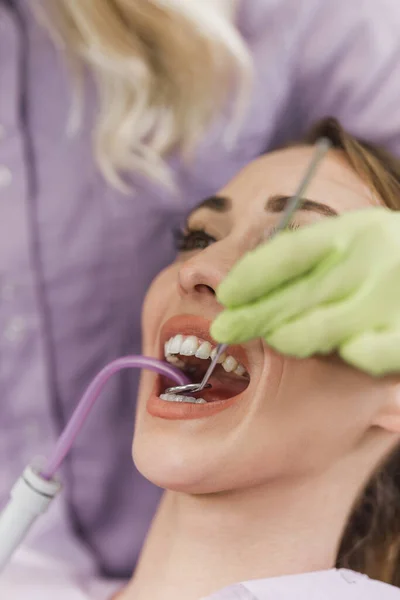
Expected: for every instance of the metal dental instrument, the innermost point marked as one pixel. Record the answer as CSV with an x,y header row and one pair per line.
x,y
321,148
190,388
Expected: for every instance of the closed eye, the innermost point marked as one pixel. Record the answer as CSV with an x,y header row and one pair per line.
x,y
192,239
271,232
188,240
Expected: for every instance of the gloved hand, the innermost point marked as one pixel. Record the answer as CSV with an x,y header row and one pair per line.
x,y
331,286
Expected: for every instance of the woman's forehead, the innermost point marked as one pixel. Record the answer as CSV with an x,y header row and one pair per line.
x,y
279,173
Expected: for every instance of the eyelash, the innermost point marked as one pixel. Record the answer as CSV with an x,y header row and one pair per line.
x,y
192,239
199,239
291,227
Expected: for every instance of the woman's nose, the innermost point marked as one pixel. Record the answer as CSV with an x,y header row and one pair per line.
x,y
202,274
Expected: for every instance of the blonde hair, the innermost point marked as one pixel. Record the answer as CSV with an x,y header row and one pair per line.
x,y
163,69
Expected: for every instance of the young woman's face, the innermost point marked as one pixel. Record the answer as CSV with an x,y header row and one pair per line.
x,y
271,416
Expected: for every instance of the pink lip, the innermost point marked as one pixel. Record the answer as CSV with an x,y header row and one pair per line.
x,y
190,325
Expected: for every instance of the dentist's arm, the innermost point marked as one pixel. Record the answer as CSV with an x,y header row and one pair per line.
x,y
348,65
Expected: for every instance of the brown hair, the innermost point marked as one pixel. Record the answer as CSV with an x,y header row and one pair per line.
x,y
371,541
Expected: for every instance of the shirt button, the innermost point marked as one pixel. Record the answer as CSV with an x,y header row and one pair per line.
x,y
5,176
15,329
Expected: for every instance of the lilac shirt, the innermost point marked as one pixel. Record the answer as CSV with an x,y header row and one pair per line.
x,y
322,585
41,578
76,257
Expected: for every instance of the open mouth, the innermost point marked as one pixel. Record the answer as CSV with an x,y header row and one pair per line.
x,y
193,354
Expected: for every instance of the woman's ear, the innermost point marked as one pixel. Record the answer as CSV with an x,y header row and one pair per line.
x,y
388,415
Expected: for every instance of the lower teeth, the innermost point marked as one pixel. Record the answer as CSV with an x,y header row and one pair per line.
x,y
176,398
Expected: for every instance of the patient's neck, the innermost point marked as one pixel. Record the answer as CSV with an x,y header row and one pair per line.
x,y
200,544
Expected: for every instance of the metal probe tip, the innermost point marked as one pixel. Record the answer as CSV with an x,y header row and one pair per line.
x,y
190,388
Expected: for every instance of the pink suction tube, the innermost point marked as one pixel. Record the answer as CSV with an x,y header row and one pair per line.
x,y
90,396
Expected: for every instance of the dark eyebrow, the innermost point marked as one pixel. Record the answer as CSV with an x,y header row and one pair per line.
x,y
216,203
278,203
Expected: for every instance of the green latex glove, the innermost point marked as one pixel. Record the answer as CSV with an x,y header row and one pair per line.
x,y
332,286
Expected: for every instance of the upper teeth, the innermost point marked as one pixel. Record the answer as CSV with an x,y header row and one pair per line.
x,y
191,345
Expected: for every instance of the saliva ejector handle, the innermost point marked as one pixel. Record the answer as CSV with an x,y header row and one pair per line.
x,y
29,498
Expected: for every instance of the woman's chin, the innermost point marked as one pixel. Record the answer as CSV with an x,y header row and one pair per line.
x,y
173,469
